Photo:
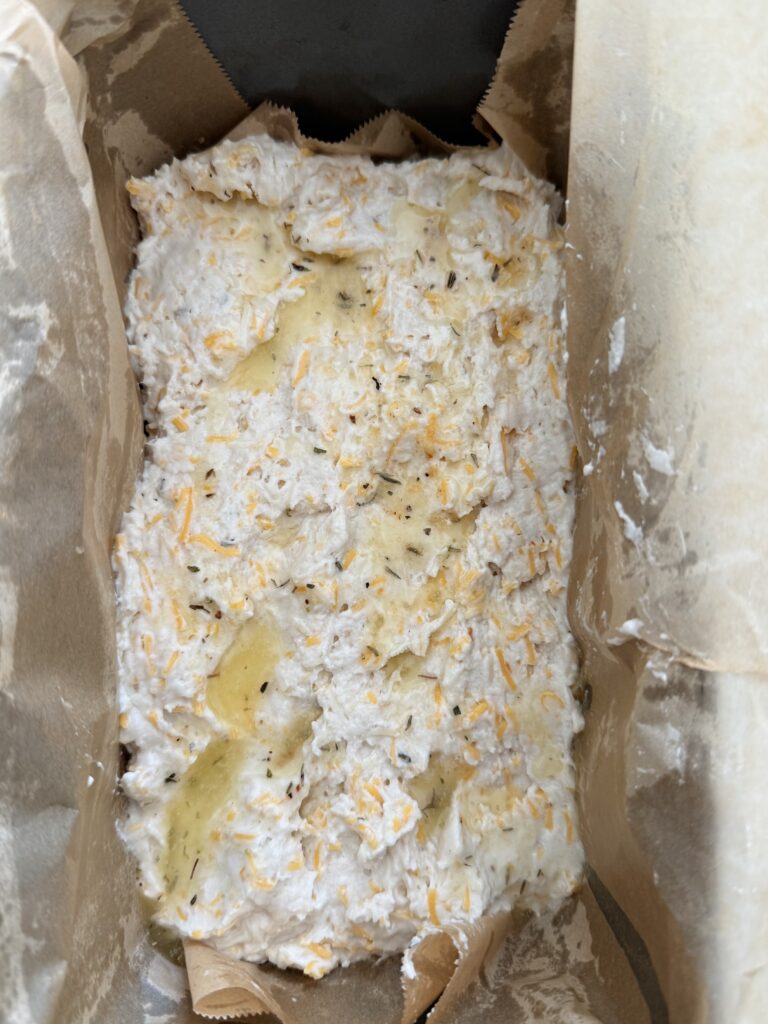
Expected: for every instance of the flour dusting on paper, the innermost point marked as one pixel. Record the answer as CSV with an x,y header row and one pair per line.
x,y
658,458
617,339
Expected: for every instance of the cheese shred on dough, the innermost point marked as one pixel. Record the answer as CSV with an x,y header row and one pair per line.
x,y
344,655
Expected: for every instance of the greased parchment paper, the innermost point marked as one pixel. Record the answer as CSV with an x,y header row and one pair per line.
x,y
667,143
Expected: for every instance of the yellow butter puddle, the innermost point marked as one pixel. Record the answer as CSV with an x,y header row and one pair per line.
x,y
196,808
197,814
236,690
261,742
334,299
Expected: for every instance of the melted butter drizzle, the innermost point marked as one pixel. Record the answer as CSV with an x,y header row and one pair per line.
x,y
237,688
262,741
334,293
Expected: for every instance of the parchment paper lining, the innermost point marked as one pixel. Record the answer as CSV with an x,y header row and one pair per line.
x,y
667,207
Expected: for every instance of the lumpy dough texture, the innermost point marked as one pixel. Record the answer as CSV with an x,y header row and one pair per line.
x,y
344,656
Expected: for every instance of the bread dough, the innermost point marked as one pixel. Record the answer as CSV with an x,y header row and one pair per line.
x,y
344,655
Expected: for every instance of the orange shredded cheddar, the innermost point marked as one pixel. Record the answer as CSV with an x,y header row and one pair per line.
x,y
505,669
319,950
257,879
210,339
568,827
349,558
519,632
432,906
549,696
512,717
402,820
501,726
374,791
178,618
184,532
302,367
222,438
171,662
553,381
493,257
479,709
208,542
